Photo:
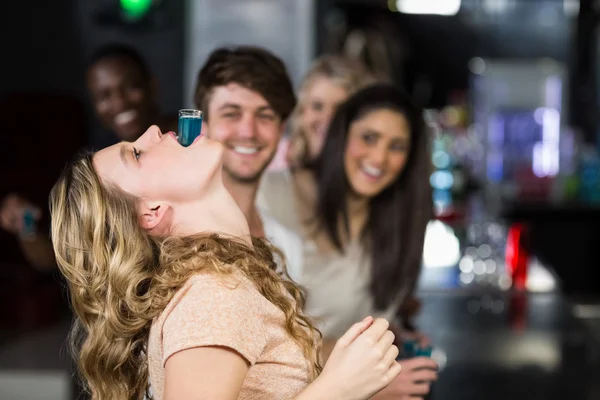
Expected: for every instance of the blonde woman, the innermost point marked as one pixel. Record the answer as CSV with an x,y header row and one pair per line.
x,y
329,82
171,294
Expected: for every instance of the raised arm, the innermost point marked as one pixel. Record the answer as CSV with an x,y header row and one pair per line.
x,y
362,363
36,246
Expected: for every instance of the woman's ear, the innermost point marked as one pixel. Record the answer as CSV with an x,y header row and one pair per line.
x,y
153,215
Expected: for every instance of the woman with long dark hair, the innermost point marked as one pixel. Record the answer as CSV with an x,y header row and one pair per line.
x,y
365,216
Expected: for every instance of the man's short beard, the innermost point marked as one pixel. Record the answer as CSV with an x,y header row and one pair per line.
x,y
254,178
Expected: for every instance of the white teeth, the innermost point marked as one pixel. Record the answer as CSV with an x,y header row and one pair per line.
x,y
125,117
245,150
369,170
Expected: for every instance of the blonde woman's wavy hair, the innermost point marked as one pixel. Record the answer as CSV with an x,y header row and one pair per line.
x,y
120,278
350,74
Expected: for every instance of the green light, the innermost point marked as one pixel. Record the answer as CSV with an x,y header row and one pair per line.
x,y
135,9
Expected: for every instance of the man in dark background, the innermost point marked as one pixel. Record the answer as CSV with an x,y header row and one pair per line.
x,y
123,93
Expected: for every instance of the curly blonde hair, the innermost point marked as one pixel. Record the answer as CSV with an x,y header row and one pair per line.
x,y
120,278
350,74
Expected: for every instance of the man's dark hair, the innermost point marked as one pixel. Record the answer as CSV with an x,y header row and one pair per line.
x,y
251,67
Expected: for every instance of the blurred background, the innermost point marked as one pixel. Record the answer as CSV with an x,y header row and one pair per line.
x,y
510,287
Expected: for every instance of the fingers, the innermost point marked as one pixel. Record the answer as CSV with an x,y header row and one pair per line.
x,y
386,341
412,390
377,330
5,222
419,363
423,375
12,220
418,389
415,377
424,341
355,331
393,372
390,355
13,209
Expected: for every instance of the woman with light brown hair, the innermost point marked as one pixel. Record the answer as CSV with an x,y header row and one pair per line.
x,y
173,298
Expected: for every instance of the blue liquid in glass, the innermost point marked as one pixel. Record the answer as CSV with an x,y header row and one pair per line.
x,y
189,129
409,348
423,351
29,225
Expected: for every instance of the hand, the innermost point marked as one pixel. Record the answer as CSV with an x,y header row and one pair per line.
x,y
12,213
413,382
295,151
362,362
